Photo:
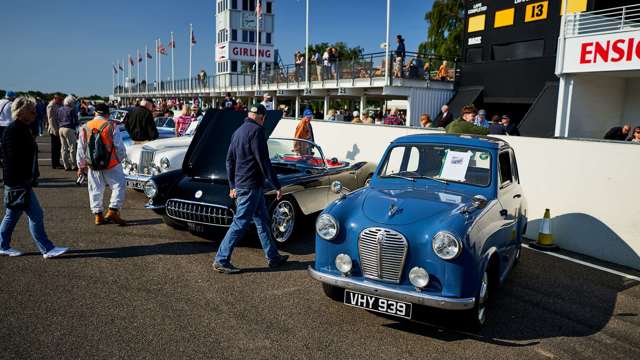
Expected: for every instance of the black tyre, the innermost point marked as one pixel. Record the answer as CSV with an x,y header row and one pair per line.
x,y
285,219
475,318
332,292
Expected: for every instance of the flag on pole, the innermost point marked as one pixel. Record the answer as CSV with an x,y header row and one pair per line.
x,y
139,57
149,56
115,70
161,49
172,44
259,9
130,60
120,66
193,38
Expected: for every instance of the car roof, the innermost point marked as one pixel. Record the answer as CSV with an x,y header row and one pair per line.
x,y
453,139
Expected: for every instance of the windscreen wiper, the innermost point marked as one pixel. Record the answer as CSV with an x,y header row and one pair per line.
x,y
435,179
401,177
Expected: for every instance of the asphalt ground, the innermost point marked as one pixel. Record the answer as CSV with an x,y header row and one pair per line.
x,y
147,291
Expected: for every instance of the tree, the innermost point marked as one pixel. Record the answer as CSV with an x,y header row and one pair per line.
x,y
446,27
344,51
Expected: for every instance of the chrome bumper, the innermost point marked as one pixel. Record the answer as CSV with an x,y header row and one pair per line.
x,y
151,206
371,288
141,178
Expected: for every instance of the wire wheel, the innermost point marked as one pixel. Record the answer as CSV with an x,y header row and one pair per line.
x,y
283,221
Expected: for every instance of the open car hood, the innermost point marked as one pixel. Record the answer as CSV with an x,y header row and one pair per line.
x,y
207,154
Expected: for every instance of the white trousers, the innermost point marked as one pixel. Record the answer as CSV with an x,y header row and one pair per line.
x,y
98,180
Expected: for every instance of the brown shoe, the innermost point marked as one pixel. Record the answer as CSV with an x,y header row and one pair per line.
x,y
99,219
113,215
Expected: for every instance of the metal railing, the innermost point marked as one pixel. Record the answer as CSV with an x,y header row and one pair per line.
x,y
416,67
617,19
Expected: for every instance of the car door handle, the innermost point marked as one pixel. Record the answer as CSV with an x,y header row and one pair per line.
x,y
517,196
504,213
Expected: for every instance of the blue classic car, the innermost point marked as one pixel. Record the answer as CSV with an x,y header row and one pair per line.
x,y
439,226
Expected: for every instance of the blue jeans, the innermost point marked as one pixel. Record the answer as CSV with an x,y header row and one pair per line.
x,y
36,225
250,205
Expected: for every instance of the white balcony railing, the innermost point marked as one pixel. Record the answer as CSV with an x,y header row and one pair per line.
x,y
617,19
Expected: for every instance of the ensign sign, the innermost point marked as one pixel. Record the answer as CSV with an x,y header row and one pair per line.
x,y
609,52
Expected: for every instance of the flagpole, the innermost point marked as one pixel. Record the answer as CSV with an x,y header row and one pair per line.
x,y
159,65
190,54
157,57
129,74
258,15
123,80
138,71
113,80
386,50
306,52
146,68
173,75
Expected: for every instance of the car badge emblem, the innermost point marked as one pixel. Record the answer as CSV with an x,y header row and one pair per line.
x,y
198,194
393,209
381,238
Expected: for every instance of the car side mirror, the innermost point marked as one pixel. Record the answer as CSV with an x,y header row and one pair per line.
x,y
478,202
336,187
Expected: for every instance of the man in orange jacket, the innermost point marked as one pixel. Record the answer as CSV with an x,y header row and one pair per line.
x,y
304,130
113,175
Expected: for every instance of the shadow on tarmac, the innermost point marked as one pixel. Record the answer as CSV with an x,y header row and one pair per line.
x,y
544,297
174,248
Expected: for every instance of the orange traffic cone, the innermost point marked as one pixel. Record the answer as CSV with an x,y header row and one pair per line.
x,y
545,238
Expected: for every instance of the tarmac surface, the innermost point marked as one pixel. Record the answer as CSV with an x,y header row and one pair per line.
x,y
147,291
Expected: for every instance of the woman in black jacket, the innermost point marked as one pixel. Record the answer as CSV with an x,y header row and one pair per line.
x,y
20,175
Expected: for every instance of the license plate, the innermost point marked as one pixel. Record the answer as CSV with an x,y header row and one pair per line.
x,y
134,184
198,228
378,304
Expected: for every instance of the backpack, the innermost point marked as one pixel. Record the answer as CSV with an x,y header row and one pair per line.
x,y
98,153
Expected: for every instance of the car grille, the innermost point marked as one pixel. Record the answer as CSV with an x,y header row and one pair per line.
x,y
146,160
382,254
200,213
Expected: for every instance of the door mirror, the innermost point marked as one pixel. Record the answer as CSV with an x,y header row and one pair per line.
x,y
336,187
479,202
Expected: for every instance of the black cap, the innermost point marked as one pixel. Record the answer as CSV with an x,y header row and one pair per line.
x,y
258,108
102,109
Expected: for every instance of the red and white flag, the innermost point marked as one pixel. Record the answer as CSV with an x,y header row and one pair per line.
x,y
161,49
259,9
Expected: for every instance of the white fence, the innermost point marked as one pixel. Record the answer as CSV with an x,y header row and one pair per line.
x,y
589,186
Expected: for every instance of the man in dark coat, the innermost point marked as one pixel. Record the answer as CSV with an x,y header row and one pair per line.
x,y
445,118
619,133
140,124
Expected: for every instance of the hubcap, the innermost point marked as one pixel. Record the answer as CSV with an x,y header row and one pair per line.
x,y
482,299
282,221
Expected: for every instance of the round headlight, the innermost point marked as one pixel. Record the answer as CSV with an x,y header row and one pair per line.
x,y
344,263
327,227
155,170
418,277
150,189
446,245
165,163
126,164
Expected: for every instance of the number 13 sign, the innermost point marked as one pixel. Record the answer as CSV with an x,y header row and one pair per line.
x,y
536,11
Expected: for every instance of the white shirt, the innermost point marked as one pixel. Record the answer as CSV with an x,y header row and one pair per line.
x,y
267,105
5,115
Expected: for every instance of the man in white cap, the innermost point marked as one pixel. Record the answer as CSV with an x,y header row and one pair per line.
x,y
267,102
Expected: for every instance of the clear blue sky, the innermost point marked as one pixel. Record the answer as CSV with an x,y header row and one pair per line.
x,y
70,45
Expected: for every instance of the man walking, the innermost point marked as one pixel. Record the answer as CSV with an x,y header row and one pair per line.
x,y
139,123
20,176
52,119
100,153
68,122
247,166
5,116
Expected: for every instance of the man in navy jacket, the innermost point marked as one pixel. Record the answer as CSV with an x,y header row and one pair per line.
x,y
248,165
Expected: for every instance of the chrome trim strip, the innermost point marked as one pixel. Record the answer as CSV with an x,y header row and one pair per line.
x,y
150,206
141,178
371,288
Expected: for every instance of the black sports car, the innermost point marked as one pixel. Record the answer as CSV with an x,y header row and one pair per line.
x,y
196,197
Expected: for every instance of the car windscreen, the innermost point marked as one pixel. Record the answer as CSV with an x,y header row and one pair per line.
x,y
449,163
